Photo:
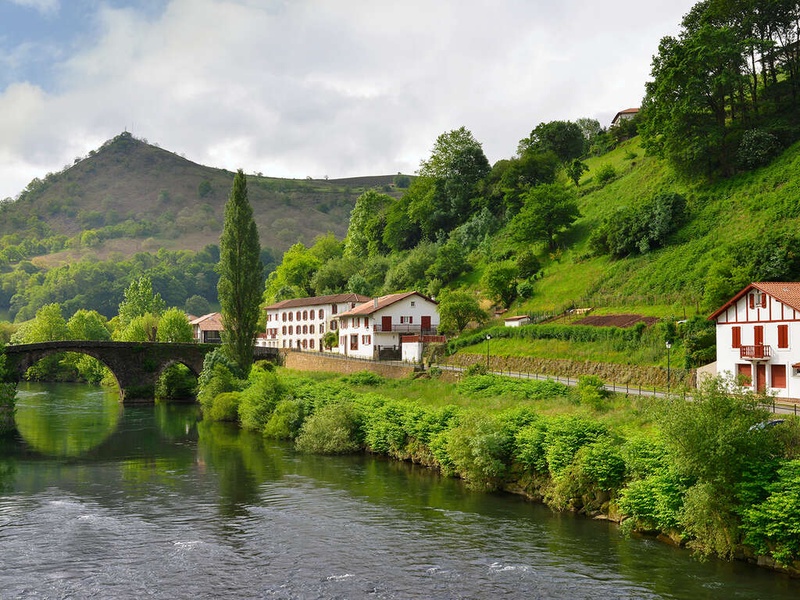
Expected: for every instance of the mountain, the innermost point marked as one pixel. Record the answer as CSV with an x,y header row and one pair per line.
x,y
136,197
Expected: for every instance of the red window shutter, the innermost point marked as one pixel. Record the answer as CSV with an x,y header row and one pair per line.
x,y
783,336
752,300
779,376
758,334
745,373
737,337
763,300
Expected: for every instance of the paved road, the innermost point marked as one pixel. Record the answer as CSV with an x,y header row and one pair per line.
x,y
776,407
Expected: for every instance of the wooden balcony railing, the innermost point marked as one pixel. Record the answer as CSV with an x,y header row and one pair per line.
x,y
404,328
760,352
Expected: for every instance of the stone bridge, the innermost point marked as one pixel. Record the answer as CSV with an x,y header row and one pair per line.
x,y
135,365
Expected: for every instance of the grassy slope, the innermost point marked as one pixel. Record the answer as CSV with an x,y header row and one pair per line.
x,y
668,282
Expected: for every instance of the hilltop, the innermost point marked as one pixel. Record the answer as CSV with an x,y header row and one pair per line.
x,y
136,196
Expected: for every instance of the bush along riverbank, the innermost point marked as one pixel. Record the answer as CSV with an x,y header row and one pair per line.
x,y
716,475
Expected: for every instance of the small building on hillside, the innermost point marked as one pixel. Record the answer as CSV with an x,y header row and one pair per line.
x,y
517,321
379,328
301,323
207,329
624,115
758,338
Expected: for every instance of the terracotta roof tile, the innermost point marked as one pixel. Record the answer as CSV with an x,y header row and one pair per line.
x,y
209,322
786,292
377,304
318,300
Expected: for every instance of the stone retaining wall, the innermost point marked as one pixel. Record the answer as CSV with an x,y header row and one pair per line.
x,y
610,373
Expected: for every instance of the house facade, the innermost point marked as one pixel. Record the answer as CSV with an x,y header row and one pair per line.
x,y
207,329
376,329
758,338
624,115
301,323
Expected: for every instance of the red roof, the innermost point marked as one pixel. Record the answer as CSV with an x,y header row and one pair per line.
x,y
786,292
377,304
317,300
209,322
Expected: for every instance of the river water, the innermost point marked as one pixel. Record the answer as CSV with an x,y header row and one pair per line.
x,y
100,501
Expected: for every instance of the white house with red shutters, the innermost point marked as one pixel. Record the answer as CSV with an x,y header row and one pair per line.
x,y
382,327
301,323
758,338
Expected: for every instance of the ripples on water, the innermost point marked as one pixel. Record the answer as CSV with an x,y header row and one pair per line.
x,y
216,518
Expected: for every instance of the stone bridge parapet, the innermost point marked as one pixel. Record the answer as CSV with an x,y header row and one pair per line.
x,y
135,365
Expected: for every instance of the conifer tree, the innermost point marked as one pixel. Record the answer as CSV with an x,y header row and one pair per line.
x,y
241,280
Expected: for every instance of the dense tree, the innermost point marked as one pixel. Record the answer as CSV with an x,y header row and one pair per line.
x,y
139,300
548,211
367,222
457,309
293,278
500,281
173,326
575,169
241,273
88,325
564,138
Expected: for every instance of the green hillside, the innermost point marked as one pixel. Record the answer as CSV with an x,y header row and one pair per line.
x,y
135,196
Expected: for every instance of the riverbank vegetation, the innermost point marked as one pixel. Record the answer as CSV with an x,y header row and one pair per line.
x,y
716,474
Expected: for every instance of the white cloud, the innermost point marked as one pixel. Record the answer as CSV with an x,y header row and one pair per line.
x,y
331,87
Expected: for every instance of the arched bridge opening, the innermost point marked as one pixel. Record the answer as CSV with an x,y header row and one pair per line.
x,y
135,365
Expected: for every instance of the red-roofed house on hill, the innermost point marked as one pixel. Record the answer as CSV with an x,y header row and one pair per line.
x,y
624,115
758,337
378,329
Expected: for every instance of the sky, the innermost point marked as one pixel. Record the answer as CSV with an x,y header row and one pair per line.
x,y
297,88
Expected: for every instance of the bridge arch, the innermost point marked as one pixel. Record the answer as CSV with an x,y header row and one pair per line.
x,y
135,365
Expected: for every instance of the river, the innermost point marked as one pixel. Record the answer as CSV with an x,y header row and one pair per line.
x,y
101,501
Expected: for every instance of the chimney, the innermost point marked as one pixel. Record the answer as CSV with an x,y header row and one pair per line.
x,y
375,303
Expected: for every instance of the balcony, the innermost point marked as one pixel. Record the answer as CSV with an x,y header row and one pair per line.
x,y
758,352
405,328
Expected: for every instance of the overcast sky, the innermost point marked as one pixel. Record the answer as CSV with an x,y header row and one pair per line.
x,y
296,88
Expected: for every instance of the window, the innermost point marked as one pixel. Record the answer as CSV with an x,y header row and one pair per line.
x,y
290,316
322,327
321,314
291,329
305,344
334,325
783,336
305,315
745,374
283,316
284,343
353,342
366,340
334,309
311,344
298,315
407,320
284,330
413,304
311,328
305,329
736,334
779,376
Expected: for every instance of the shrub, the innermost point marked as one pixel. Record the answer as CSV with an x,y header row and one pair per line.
x,y
591,391
757,148
364,378
332,429
259,399
652,503
286,420
565,436
224,407
605,173
530,447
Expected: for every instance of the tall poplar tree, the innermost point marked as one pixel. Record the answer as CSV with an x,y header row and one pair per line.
x,y
241,272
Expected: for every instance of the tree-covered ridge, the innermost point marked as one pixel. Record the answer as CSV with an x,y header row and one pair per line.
x,y
725,92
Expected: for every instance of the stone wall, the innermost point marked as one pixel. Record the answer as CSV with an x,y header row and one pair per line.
x,y
311,361
610,373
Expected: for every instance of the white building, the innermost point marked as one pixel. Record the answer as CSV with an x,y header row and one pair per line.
x,y
758,338
301,323
378,328
207,329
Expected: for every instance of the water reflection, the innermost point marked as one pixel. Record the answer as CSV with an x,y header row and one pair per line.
x,y
68,423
